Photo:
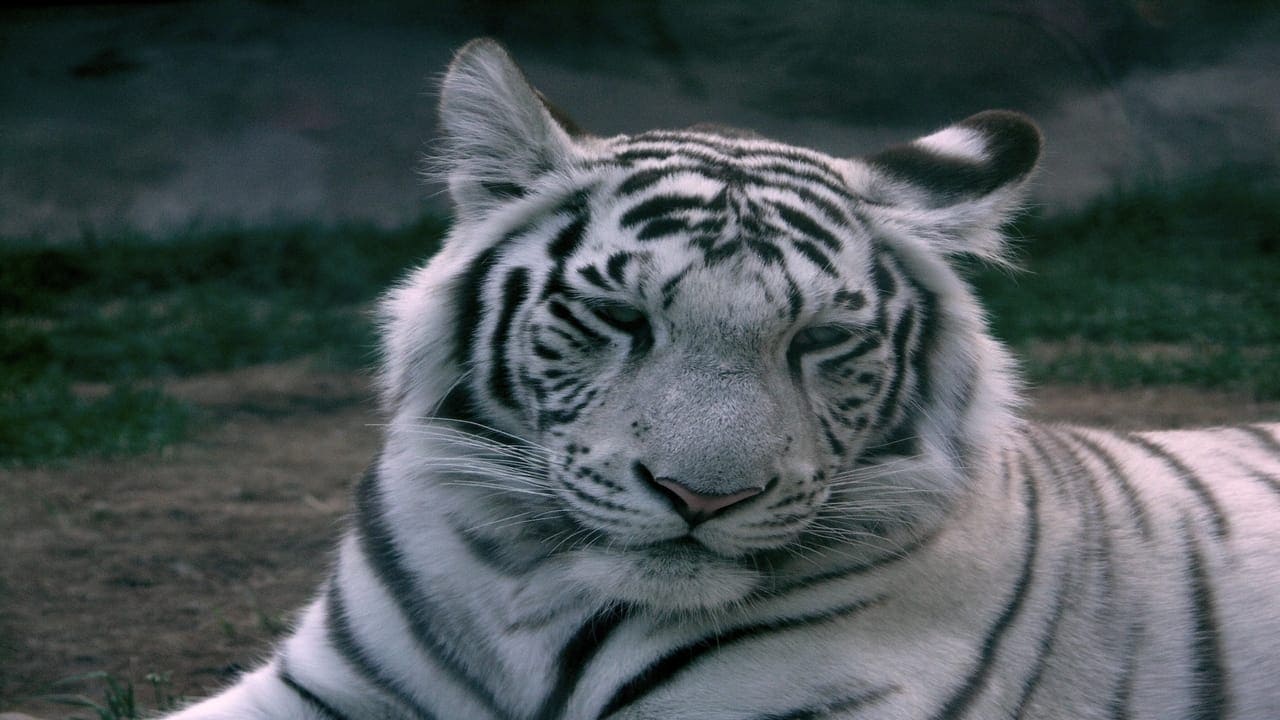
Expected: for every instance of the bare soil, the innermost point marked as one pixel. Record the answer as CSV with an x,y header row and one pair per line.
x,y
190,561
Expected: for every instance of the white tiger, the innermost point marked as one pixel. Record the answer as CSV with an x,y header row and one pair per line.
x,y
699,425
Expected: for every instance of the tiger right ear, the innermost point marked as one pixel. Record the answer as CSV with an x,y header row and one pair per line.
x,y
499,135
956,186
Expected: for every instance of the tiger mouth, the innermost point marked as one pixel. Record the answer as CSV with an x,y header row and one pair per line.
x,y
678,547
684,553
689,549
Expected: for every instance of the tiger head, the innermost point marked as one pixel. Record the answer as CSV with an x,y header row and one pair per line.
x,y
681,354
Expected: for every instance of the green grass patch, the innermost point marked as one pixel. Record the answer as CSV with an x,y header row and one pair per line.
x,y
129,311
1196,266
119,698
42,419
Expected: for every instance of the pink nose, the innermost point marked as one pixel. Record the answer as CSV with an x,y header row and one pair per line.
x,y
696,507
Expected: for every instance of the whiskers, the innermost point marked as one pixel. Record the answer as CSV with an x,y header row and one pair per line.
x,y
868,512
505,479
517,520
464,453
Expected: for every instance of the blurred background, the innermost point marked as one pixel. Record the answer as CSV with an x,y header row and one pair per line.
x,y
200,201
163,117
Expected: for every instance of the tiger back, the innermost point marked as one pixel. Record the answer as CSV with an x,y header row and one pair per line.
x,y
695,424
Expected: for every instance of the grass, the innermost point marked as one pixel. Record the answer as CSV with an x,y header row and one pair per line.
x,y
126,313
120,699
1151,286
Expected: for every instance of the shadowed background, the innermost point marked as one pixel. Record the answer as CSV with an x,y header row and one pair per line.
x,y
161,117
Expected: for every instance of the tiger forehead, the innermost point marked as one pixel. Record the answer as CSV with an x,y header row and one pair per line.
x,y
733,151
727,195
738,160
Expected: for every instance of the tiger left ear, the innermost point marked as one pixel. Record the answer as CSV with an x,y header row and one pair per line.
x,y
956,186
499,134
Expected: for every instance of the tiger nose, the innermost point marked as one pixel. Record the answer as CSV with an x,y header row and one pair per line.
x,y
693,506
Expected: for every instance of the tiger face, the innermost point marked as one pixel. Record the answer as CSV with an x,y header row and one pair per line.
x,y
712,352
697,386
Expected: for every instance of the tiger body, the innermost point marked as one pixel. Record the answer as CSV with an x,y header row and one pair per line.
x,y
699,425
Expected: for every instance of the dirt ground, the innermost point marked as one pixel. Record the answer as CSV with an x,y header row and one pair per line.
x,y
191,560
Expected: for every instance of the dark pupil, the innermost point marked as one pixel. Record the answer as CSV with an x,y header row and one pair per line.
x,y
818,338
623,317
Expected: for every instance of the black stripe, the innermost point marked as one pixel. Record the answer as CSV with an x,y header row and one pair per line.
x,y
318,706
901,334
867,345
567,240
719,171
1192,480
850,300
1094,505
926,339
809,169
806,225
495,554
795,298
545,352
1118,707
808,342
862,567
662,228
837,447
548,418
504,190
1264,438
1257,475
886,288
820,259
344,642
903,438
845,704
1045,648
642,180
842,216
1137,510
591,274
616,266
769,253
733,147
805,171
469,294
559,250
668,289
573,341
590,499
514,291
1209,686
565,315
964,696
661,206
468,299
576,655
674,662
801,167
379,549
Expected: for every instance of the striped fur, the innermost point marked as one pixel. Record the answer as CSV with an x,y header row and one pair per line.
x,y
616,321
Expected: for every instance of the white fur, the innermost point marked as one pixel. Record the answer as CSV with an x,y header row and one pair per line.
x,y
957,142
1007,571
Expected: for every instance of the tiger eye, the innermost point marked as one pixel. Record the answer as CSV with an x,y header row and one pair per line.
x,y
820,337
620,315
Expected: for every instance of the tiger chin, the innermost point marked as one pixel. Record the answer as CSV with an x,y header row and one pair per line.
x,y
696,424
